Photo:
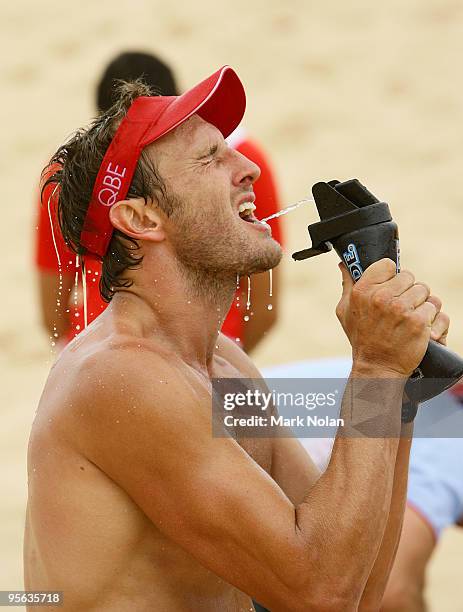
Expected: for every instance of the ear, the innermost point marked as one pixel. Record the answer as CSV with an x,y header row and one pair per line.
x,y
138,219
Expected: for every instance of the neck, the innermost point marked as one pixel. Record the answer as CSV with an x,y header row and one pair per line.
x,y
183,307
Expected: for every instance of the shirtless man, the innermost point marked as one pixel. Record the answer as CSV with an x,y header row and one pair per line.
x,y
133,504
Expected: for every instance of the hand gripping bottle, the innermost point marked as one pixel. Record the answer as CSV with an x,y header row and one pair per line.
x,y
361,230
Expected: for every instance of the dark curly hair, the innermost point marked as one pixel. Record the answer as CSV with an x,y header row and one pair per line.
x,y
73,169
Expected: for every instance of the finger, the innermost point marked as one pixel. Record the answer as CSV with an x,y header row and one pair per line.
x,y
436,301
347,282
378,273
440,327
400,283
415,296
428,311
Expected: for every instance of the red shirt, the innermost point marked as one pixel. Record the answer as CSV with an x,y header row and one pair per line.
x,y
47,256
46,259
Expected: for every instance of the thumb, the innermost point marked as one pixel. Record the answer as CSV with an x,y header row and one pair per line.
x,y
347,282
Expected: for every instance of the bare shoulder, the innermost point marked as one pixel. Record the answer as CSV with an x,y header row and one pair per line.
x,y
130,374
234,354
93,389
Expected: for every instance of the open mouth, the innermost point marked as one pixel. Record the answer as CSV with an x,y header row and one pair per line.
x,y
246,212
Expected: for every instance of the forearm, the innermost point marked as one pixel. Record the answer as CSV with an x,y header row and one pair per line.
x,y
376,585
347,509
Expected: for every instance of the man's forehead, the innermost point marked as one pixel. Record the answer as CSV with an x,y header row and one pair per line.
x,y
193,132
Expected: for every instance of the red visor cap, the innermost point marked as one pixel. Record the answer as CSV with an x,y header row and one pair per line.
x,y
219,99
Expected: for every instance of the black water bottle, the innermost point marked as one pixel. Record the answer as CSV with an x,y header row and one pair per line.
x,y
361,230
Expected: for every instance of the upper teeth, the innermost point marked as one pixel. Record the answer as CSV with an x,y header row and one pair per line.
x,y
246,206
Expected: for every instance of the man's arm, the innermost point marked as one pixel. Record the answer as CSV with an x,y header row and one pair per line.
x,y
376,585
288,466
377,581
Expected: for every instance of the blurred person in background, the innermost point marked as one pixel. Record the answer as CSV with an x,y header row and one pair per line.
x,y
60,288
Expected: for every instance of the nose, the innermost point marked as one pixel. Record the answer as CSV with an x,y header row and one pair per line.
x,y
247,172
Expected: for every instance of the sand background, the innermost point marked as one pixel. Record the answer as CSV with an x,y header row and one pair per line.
x,y
335,90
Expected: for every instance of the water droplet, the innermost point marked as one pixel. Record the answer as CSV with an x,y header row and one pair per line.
x,y
78,327
77,314
248,303
237,339
269,307
246,317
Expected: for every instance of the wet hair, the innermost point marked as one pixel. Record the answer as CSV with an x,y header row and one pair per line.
x,y
74,167
134,65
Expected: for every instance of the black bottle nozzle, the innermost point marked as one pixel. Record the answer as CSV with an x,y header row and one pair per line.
x,y
361,230
343,207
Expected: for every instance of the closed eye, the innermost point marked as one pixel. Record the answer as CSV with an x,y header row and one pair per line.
x,y
212,151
